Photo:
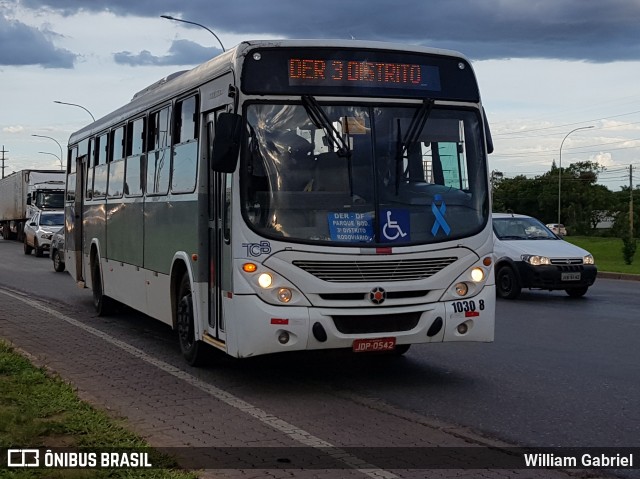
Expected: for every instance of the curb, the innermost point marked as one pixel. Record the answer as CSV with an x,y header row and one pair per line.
x,y
625,276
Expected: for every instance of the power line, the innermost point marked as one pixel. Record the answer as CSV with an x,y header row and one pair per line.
x,y
566,124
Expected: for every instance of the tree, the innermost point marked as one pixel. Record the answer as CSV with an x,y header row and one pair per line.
x,y
584,202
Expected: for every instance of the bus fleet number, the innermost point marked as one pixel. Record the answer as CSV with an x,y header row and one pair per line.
x,y
464,306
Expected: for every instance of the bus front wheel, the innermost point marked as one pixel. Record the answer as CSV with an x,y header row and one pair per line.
x,y
191,348
101,303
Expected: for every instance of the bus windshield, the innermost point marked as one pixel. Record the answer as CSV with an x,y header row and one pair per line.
x,y
364,175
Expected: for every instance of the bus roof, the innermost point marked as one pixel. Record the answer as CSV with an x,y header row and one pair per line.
x,y
185,80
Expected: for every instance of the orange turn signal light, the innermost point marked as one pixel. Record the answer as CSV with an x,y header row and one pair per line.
x,y
249,267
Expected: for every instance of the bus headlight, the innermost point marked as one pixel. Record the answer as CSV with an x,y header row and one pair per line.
x,y
265,280
461,289
270,286
477,274
285,295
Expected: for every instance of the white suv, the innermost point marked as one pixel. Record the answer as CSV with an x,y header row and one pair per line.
x,y
529,255
39,230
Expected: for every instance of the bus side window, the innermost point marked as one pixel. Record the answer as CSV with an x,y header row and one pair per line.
x,y
134,171
71,174
159,155
185,150
100,170
90,168
116,163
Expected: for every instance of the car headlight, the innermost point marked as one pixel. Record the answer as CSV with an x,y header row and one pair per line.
x,y
588,259
535,260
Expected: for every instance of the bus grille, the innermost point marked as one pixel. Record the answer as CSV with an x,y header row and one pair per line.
x,y
384,323
365,271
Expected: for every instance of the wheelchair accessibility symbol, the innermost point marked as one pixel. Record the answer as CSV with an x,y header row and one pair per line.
x,y
396,226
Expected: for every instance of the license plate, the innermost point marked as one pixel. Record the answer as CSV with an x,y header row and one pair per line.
x,y
570,276
374,345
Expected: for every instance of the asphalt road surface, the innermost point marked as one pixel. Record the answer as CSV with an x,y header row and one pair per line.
x,y
561,372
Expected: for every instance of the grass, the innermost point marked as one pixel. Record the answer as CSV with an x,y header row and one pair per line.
x,y
607,253
38,410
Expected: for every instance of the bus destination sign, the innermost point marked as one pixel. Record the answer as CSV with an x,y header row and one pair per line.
x,y
362,73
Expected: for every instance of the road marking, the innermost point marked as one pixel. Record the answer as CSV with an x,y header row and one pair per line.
x,y
293,432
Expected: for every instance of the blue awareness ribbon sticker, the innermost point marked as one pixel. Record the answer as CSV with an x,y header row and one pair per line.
x,y
439,212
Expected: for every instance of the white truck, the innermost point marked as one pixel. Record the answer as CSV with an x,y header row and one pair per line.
x,y
26,192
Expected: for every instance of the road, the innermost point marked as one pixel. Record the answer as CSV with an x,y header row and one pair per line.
x,y
561,372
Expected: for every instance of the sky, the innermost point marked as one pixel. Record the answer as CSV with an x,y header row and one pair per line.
x,y
547,69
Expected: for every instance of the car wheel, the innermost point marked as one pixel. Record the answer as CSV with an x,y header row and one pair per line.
x,y
191,348
27,249
39,250
58,264
577,292
507,284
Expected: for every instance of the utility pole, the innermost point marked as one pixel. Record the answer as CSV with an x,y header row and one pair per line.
x,y
631,201
3,158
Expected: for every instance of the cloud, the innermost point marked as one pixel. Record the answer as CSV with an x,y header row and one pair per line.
x,y
13,129
590,30
181,52
24,45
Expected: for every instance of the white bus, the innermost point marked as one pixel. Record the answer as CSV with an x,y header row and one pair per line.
x,y
293,195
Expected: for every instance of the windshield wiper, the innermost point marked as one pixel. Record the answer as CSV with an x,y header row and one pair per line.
x,y
321,120
418,121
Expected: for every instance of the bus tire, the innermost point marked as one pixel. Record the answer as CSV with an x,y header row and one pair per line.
x,y
191,348
401,349
507,284
101,303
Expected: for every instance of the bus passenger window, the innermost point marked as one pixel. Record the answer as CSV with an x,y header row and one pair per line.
x,y
116,164
185,150
100,170
135,157
90,168
159,155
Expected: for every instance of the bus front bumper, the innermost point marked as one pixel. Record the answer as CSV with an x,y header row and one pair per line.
x,y
262,328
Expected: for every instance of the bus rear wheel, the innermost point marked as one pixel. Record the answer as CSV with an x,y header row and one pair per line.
x,y
191,348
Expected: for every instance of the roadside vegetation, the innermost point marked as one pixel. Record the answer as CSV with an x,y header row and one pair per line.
x,y
607,253
596,218
38,410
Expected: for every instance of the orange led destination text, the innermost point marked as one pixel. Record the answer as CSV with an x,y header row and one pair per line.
x,y
361,71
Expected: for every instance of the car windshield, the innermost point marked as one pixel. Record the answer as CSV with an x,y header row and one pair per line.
x,y
363,175
52,219
518,228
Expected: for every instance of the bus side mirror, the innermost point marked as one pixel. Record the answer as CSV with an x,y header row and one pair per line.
x,y
487,132
225,144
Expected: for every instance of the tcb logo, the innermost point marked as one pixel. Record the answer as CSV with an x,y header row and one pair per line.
x,y
257,249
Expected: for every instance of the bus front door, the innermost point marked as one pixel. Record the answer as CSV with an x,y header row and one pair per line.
x,y
219,242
